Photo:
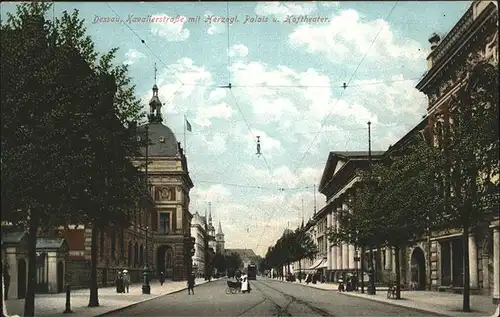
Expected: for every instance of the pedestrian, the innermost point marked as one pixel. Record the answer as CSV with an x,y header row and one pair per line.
x,y
126,280
119,282
190,284
162,278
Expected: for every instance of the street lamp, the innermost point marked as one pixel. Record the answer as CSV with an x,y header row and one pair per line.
x,y
146,288
357,258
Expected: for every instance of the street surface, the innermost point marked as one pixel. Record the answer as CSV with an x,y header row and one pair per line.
x,y
268,298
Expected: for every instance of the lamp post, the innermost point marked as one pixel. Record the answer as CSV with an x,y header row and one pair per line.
x,y
146,288
371,286
357,258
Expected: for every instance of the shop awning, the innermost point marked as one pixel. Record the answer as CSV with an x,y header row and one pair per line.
x,y
318,264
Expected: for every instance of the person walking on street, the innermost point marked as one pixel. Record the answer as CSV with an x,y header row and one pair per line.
x,y
190,284
162,278
126,281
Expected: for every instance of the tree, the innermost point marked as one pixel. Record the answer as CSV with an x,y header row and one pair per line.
x,y
304,246
69,145
233,261
219,262
470,144
361,224
409,197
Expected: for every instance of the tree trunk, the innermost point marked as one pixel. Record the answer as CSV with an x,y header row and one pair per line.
x,y
362,260
300,271
94,295
29,303
398,272
289,269
466,297
372,271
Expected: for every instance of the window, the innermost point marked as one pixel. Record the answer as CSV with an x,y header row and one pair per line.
x,y
101,243
113,244
122,244
164,227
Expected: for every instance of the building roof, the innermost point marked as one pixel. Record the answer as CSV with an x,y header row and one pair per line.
x,y
333,157
12,237
163,142
244,253
406,139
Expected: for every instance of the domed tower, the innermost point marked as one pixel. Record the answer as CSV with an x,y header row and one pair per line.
x,y
219,239
169,242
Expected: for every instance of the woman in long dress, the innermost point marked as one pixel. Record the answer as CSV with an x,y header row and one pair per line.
x,y
245,284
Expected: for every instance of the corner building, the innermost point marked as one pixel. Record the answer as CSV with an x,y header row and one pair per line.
x,y
170,185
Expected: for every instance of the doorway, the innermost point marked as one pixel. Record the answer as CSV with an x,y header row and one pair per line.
x,y
164,261
60,277
21,279
418,268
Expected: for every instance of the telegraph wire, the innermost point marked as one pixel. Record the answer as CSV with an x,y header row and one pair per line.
x,y
145,44
281,189
228,46
248,126
345,86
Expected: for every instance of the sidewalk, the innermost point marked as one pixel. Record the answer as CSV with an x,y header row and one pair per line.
x,y
109,300
446,304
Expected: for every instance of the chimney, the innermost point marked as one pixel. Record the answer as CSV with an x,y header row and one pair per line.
x,y
434,39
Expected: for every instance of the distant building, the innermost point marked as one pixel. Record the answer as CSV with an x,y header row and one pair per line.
x,y
198,232
247,255
219,240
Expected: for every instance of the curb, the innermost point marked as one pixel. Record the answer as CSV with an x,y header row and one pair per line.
x,y
144,300
310,286
395,303
420,310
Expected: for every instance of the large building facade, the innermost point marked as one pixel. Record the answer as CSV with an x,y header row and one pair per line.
x,y
476,34
168,175
435,261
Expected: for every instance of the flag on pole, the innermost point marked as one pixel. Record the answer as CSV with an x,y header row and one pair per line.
x,y
188,125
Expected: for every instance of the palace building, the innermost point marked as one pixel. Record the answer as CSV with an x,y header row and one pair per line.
x,y
168,175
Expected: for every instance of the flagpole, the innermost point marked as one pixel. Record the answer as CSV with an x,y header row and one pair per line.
x,y
185,133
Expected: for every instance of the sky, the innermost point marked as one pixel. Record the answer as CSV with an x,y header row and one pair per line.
x,y
287,76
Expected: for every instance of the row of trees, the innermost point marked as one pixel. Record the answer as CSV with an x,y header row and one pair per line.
x,y
293,246
68,132
425,187
227,262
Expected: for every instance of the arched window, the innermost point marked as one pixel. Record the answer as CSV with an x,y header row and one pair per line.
x,y
113,244
136,254
122,244
101,243
141,255
130,254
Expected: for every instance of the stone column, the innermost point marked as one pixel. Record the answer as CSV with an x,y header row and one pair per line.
x,y
393,260
339,252
334,257
388,258
328,248
473,282
496,264
345,256
352,253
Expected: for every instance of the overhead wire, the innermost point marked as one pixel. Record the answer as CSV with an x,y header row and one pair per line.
x,y
277,188
331,112
346,85
145,44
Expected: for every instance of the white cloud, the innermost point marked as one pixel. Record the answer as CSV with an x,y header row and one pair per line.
x,y
216,144
282,9
221,110
132,56
282,176
348,37
238,50
213,193
172,32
